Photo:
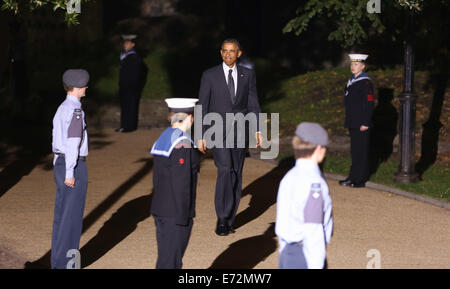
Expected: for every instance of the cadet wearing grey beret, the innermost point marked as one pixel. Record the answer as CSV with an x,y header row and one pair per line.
x,y
76,77
313,133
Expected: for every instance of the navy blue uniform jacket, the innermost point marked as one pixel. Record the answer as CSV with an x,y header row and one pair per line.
x,y
359,102
175,183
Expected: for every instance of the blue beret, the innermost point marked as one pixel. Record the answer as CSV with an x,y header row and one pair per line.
x,y
313,133
76,77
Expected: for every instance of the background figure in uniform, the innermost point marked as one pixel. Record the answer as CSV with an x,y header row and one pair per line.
x,y
70,146
359,104
304,223
130,84
228,88
176,165
245,61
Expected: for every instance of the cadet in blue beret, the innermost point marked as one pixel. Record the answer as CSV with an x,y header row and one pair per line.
x,y
70,148
304,223
176,164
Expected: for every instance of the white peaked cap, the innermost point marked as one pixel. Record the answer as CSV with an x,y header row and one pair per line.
x,y
129,36
181,104
358,57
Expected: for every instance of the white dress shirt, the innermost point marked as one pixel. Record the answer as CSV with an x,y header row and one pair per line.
x,y
304,212
226,70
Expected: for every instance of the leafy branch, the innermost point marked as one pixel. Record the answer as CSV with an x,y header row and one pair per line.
x,y
351,16
16,7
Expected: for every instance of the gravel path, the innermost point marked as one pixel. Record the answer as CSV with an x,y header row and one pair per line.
x,y
370,225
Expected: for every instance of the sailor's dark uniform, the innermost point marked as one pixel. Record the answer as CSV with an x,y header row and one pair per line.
x,y
359,105
130,86
176,164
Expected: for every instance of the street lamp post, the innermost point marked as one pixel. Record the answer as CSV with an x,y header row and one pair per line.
x,y
406,171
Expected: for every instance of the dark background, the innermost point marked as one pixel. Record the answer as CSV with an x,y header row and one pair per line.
x,y
192,31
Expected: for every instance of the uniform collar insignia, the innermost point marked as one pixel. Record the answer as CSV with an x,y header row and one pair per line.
x,y
124,54
168,141
360,77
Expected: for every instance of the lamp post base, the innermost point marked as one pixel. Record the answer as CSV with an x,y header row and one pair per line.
x,y
405,178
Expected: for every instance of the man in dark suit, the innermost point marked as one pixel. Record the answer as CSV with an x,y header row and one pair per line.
x,y
229,88
130,84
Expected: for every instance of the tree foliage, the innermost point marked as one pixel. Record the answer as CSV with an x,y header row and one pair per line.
x,y
353,21
17,7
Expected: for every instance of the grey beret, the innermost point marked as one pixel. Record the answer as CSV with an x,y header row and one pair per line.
x,y
313,133
76,77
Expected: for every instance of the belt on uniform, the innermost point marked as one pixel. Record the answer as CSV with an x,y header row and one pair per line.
x,y
63,155
300,243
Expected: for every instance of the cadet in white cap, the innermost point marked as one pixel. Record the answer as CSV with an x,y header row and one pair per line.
x,y
175,167
304,223
359,104
131,79
70,146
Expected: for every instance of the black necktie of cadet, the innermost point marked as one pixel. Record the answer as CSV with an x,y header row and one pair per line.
x,y
231,86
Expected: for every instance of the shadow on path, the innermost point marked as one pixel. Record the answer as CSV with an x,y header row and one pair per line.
x,y
35,145
264,193
248,252
94,215
121,224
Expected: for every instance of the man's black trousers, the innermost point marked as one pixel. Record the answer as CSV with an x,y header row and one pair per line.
x,y
229,163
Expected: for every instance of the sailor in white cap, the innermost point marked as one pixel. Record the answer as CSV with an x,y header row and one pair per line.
x,y
175,167
131,79
70,146
359,104
304,223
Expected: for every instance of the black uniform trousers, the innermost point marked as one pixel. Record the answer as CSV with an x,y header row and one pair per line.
x,y
68,213
172,242
129,103
229,163
359,148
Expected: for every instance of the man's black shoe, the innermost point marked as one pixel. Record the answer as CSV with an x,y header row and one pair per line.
x,y
128,130
222,228
345,182
357,185
120,129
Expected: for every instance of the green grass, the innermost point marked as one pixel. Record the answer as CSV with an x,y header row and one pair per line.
x,y
435,181
158,84
318,96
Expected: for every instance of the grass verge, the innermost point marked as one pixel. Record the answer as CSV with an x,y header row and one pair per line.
x,y
435,181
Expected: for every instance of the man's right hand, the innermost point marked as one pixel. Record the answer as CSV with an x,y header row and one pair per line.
x,y
201,145
70,182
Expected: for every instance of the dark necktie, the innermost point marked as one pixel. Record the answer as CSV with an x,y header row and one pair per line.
x,y
231,86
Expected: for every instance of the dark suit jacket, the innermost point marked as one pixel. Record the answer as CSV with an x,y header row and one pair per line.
x,y
215,97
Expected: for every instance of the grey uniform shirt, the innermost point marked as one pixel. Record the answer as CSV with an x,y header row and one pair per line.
x,y
69,133
304,212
